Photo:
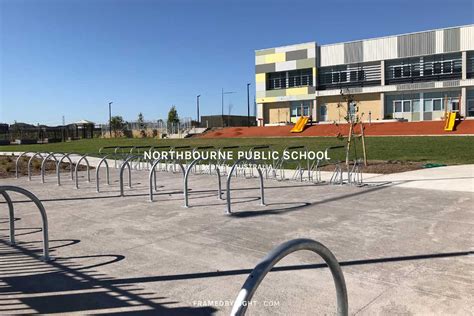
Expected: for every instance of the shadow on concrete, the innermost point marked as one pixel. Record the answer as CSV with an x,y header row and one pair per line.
x,y
290,268
58,287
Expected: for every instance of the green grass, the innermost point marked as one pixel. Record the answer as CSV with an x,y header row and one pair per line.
x,y
441,149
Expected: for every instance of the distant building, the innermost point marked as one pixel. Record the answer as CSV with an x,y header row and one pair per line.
x,y
226,120
414,77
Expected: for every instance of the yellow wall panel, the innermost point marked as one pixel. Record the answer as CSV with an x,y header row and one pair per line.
x,y
275,58
260,77
296,91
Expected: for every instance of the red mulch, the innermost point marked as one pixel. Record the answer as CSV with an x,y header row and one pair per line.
x,y
374,129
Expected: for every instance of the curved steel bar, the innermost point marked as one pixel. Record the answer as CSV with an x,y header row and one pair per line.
x,y
186,176
107,176
43,164
152,177
263,267
29,163
126,163
229,177
18,160
32,197
78,163
58,165
11,216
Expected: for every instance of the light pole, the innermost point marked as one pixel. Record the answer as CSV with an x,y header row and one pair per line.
x,y
110,119
248,105
197,105
222,104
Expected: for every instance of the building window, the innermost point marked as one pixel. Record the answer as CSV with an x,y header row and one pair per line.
x,y
402,106
426,68
431,105
290,79
427,106
397,106
407,106
470,107
300,108
438,105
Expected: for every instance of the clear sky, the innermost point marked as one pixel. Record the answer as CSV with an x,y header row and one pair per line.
x,y
71,57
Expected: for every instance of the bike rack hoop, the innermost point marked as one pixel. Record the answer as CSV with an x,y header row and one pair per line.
x,y
4,192
266,264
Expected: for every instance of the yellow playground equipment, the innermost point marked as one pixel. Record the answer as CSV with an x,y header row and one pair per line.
x,y
450,121
300,124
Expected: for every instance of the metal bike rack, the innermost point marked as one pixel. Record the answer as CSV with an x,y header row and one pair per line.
x,y
199,165
115,152
58,172
29,163
43,164
32,197
152,178
221,162
126,163
355,174
337,175
229,177
268,167
107,175
300,170
263,267
78,163
18,160
186,176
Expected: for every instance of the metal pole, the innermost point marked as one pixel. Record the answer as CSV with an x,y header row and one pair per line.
x,y
197,99
222,107
248,105
110,119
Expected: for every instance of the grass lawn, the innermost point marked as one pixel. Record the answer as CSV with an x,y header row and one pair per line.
x,y
440,149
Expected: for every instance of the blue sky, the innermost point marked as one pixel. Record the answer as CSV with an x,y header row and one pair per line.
x,y
71,57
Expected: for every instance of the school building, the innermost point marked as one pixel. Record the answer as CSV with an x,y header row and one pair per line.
x,y
410,77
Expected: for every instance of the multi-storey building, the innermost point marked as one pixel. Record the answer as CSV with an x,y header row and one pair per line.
x,y
412,77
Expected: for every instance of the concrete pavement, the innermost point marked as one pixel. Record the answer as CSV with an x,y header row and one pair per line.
x,y
403,250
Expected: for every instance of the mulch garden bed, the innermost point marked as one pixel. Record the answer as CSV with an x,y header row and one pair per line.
x,y
7,166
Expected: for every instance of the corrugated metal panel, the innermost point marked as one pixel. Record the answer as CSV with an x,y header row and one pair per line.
x,y
451,41
353,52
416,44
451,83
332,55
380,49
467,38
439,41
415,86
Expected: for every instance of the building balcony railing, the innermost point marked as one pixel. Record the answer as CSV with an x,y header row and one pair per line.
x,y
350,84
440,77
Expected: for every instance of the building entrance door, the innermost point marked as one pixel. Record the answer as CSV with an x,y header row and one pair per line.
x,y
323,113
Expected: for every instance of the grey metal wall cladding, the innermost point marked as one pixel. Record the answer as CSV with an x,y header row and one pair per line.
x,y
275,93
452,40
414,86
416,44
451,83
265,68
353,52
297,54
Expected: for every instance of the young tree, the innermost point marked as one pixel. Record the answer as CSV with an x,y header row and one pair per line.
x,y
173,117
117,124
140,119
